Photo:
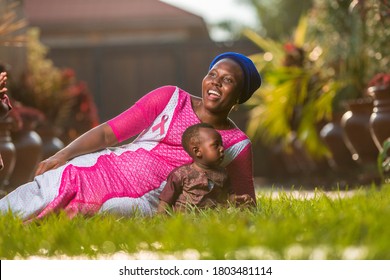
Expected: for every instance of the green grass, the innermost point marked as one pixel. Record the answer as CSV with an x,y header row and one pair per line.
x,y
319,227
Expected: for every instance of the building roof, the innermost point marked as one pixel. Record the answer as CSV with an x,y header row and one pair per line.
x,y
60,20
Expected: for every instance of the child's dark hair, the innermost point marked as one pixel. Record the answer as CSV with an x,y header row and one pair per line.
x,y
192,133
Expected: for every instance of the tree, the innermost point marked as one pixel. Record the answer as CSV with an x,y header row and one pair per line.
x,y
278,18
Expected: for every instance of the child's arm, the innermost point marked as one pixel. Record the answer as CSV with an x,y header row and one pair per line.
x,y
170,193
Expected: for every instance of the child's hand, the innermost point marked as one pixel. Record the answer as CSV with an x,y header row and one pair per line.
x,y
163,207
241,200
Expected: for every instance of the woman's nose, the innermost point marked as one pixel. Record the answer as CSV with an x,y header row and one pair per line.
x,y
217,81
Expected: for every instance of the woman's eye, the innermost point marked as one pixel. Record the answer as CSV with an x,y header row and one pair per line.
x,y
228,80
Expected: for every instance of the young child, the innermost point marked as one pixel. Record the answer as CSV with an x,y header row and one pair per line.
x,y
204,183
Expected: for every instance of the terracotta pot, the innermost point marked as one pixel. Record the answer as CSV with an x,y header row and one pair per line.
x,y
8,154
28,145
380,117
50,141
357,136
4,109
296,159
332,135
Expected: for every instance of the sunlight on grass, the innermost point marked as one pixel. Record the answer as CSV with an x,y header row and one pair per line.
x,y
284,225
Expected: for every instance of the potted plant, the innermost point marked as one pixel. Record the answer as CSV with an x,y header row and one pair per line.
x,y
11,26
379,90
11,34
355,35
384,162
27,142
65,102
296,97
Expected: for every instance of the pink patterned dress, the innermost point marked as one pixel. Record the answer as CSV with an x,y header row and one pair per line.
x,y
130,177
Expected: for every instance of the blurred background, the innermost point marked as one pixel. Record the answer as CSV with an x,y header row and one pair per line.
x,y
321,118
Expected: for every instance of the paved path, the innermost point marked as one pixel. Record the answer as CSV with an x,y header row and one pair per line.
x,y
262,187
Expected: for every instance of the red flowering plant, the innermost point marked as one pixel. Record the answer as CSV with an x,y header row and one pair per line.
x,y
55,92
80,110
380,80
41,85
25,117
297,93
294,55
379,85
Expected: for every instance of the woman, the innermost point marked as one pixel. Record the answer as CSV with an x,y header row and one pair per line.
x,y
87,177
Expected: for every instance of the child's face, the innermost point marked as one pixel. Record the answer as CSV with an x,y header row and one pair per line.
x,y
210,147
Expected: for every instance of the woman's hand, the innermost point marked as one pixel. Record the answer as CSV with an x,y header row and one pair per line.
x,y
3,82
93,140
52,162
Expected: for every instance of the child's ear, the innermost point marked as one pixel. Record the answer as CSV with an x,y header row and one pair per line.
x,y
196,151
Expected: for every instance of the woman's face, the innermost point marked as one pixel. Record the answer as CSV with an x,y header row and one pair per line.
x,y
222,86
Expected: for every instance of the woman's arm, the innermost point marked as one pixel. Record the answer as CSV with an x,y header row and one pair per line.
x,y
135,119
241,173
120,128
95,139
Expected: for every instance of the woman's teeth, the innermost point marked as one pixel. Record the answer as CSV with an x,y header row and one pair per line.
x,y
213,92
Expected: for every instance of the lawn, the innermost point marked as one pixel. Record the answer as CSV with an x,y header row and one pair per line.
x,y
282,226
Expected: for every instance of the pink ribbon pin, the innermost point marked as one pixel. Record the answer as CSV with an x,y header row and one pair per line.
x,y
161,125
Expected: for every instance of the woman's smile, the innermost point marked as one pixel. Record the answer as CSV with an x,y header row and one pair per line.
x,y
213,94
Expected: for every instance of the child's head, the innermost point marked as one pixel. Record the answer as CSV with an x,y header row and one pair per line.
x,y
204,144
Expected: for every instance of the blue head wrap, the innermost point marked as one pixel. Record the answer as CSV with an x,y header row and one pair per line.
x,y
252,79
